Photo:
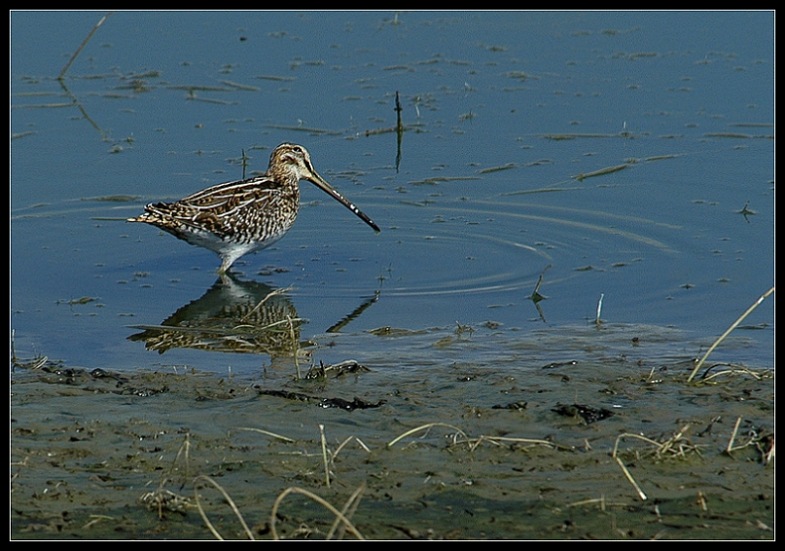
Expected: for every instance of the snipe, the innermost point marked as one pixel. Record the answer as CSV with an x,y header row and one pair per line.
x,y
235,218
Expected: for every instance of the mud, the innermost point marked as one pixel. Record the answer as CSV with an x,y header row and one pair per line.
x,y
504,452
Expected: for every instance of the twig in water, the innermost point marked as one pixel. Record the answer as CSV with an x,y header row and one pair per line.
x,y
82,45
728,331
536,296
597,320
398,130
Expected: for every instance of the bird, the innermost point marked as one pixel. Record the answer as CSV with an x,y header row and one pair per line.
x,y
235,218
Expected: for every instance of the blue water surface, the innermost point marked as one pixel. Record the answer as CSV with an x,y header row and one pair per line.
x,y
626,157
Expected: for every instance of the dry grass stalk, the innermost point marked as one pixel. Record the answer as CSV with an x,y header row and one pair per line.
x,y
730,447
95,519
631,480
82,45
324,456
728,331
474,443
673,446
345,442
425,427
603,503
338,528
184,450
339,515
228,499
763,442
498,439
732,370
268,433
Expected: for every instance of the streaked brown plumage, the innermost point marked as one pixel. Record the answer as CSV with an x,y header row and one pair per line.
x,y
235,218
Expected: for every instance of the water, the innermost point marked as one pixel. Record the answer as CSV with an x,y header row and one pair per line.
x,y
614,159
503,112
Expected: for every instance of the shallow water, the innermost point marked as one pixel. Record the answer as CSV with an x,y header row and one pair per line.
x,y
626,159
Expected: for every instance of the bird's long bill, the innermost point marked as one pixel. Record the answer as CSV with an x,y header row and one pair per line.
x,y
320,182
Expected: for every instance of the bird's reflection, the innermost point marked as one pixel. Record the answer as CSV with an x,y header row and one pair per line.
x,y
236,316
232,316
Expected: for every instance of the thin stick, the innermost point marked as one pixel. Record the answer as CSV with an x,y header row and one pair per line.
x,y
536,296
184,449
244,161
82,45
362,445
597,320
324,456
631,480
398,131
341,446
727,332
733,435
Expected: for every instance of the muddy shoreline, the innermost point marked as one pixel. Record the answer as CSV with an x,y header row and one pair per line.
x,y
501,455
